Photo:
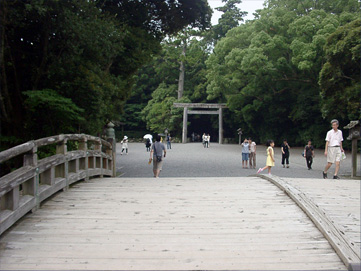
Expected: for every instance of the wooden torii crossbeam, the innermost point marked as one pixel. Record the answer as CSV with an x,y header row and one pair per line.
x,y
219,111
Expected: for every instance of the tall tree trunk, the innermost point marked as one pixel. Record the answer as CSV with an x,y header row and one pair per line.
x,y
45,43
181,72
5,102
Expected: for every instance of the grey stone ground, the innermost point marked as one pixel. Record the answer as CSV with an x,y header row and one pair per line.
x,y
192,160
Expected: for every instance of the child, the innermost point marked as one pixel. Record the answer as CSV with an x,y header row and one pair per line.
x,y
124,145
270,157
245,153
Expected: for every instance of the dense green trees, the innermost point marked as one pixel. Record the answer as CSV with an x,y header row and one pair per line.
x,y
268,70
340,75
283,75
69,66
73,65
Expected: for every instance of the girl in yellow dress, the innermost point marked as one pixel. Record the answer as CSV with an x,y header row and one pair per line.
x,y
270,157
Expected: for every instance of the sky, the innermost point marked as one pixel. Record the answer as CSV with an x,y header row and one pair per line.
x,y
247,5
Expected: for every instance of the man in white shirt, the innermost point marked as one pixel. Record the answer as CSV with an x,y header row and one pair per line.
x,y
333,148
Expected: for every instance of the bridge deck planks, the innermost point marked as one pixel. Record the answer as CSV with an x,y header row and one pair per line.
x,y
179,224
340,199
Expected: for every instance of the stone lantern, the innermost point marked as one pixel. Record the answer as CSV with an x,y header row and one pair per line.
x,y
354,135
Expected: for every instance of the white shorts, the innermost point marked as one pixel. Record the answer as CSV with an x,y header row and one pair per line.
x,y
333,154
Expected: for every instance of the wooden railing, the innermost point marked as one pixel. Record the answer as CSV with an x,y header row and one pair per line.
x,y
25,188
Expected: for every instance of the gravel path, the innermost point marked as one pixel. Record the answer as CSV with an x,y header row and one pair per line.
x,y
192,160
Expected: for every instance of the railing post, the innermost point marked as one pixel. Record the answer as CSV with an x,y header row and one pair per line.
x,y
83,146
111,140
11,199
61,148
31,187
98,148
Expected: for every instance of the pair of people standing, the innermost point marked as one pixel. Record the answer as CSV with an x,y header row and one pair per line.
x,y
333,150
205,140
248,153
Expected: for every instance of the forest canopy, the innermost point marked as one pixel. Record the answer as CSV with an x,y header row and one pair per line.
x,y
72,66
285,74
69,65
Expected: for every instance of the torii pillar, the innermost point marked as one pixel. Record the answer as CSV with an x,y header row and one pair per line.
x,y
185,128
219,112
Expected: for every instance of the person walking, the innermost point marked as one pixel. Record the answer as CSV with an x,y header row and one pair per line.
x,y
156,154
252,153
208,140
270,162
285,148
333,149
309,154
169,142
124,145
148,144
245,153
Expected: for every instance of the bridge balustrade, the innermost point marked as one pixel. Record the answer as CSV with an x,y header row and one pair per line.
x,y
23,189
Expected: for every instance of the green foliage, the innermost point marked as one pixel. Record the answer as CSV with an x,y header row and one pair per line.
x,y
230,18
160,113
51,113
340,75
267,69
86,52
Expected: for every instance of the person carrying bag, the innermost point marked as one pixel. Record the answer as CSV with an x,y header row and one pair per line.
x,y
157,154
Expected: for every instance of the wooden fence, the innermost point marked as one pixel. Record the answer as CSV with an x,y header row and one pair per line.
x,y
25,188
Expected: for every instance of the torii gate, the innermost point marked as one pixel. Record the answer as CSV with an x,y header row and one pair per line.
x,y
207,112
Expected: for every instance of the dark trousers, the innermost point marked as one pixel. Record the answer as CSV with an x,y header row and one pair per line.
x,y
309,161
286,157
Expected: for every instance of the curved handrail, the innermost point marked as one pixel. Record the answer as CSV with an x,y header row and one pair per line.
x,y
26,147
24,189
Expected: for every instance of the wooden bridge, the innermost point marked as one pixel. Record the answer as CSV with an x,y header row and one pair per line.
x,y
252,223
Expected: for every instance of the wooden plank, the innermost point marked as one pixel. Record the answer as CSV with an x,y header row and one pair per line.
x,y
8,218
15,178
348,251
187,224
15,151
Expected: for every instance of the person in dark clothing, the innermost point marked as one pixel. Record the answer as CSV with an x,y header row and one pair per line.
x,y
148,144
285,148
309,154
169,142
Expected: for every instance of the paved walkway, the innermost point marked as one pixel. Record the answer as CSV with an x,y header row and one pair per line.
x,y
192,160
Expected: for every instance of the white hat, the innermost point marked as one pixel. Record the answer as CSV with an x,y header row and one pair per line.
x,y
125,137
